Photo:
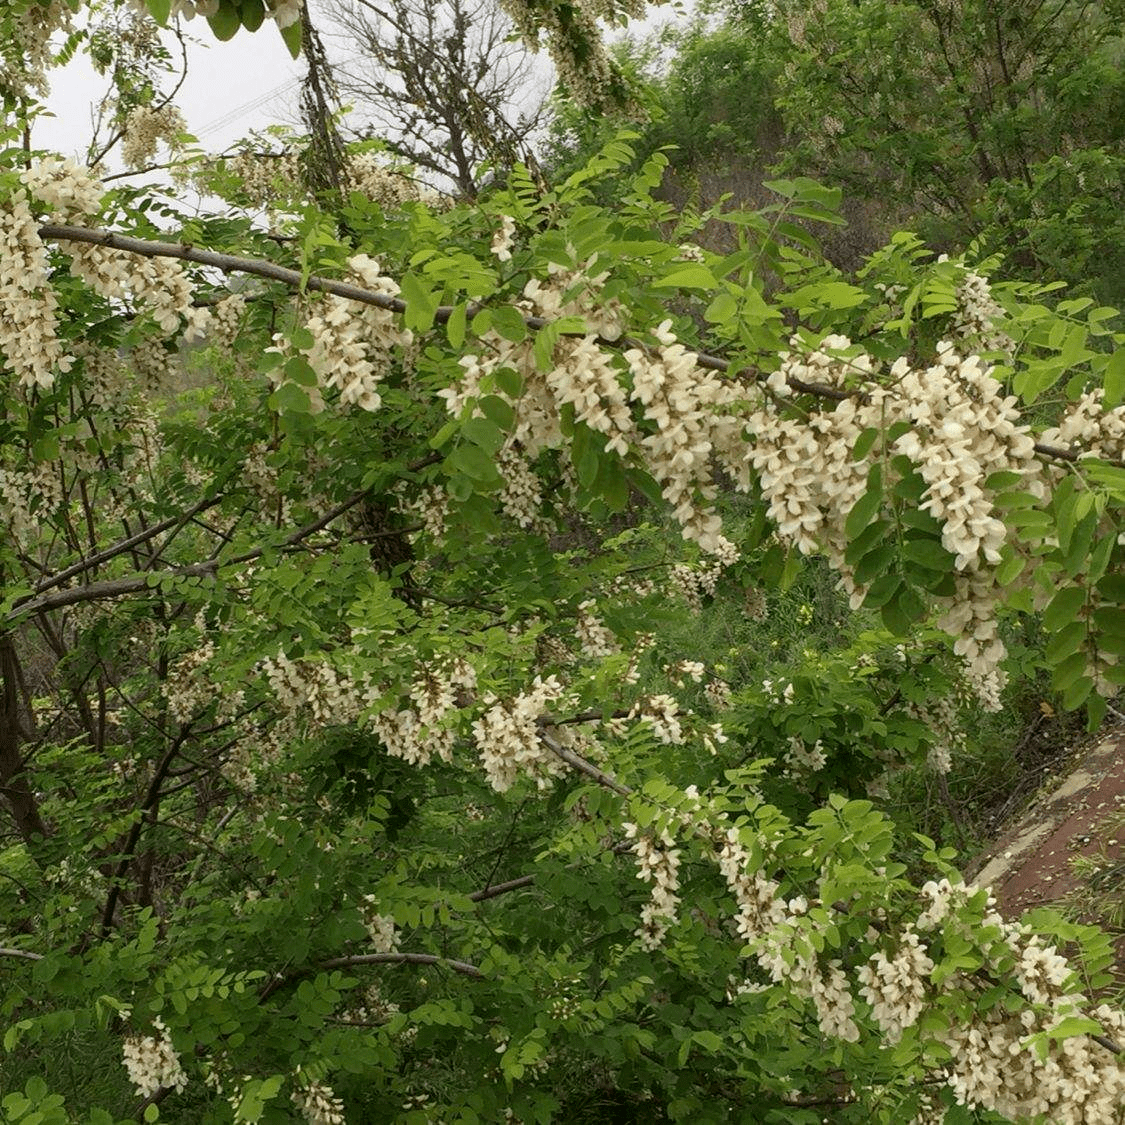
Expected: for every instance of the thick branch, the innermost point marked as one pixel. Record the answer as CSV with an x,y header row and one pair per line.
x,y
22,953
259,267
402,958
132,583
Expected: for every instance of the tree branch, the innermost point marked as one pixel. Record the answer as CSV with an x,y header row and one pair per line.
x,y
259,267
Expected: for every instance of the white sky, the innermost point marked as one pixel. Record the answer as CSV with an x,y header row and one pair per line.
x,y
231,88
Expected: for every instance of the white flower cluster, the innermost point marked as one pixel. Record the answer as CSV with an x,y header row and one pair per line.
x,y
684,670
352,342
942,719
28,305
145,127
15,505
266,178
760,908
316,686
420,732
575,46
695,426
160,284
26,52
385,186
509,736
219,323
502,240
895,987
977,313
1041,970
694,581
186,689
319,1104
380,927
520,494
962,430
1090,429
594,638
431,507
658,863
800,758
583,375
152,1062
662,713
1078,1083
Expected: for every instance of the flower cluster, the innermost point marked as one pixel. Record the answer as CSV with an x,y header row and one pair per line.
x,y
575,46
186,689
511,737
380,927
502,240
152,1062
694,581
800,758
520,494
421,731
963,429
314,686
319,1104
145,127
895,986
28,304
594,638
977,313
352,342
160,284
26,51
385,186
658,863
1090,429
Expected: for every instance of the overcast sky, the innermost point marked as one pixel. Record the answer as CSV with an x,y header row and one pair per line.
x,y
231,88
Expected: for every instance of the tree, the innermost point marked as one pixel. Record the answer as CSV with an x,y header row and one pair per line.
x,y
1002,121
353,774
445,85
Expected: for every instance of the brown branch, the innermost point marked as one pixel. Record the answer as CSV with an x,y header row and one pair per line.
x,y
402,958
259,267
123,545
22,953
132,583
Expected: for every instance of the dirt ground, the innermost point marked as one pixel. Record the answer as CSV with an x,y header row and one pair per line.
x,y
1080,812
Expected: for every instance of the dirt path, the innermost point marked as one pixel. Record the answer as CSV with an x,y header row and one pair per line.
x,y
1030,864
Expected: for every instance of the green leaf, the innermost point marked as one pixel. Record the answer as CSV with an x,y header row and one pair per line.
x,y
225,22
864,442
509,381
297,370
1063,608
291,37
1067,640
482,432
160,10
498,410
289,398
474,462
902,611
455,326
1115,379
928,553
509,323
689,277
864,509
253,12
421,302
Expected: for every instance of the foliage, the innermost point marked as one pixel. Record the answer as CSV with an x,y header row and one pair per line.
x,y
360,759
